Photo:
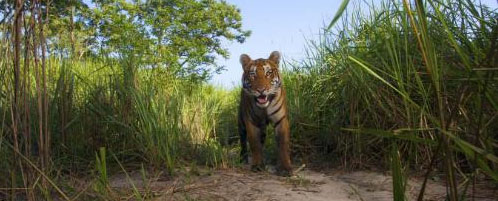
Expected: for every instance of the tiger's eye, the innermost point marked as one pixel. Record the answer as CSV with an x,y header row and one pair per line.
x,y
268,73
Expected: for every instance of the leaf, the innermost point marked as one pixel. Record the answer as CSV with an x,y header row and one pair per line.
x,y
373,73
338,14
470,148
392,134
399,182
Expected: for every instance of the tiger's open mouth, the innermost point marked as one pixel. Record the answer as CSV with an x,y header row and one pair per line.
x,y
262,99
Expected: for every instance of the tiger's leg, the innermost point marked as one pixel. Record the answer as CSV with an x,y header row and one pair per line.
x,y
282,132
253,134
262,135
243,140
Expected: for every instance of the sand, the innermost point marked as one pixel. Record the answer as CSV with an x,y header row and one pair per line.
x,y
242,184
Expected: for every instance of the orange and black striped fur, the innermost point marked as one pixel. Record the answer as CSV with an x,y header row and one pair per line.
x,y
262,102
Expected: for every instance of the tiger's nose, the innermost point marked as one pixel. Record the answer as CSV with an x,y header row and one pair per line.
x,y
261,90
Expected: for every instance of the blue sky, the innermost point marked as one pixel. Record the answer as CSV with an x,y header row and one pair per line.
x,y
278,25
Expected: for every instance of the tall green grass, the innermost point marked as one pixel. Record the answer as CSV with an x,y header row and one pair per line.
x,y
189,120
157,119
407,86
408,82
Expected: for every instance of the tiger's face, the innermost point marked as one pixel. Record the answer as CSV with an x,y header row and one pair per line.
x,y
261,78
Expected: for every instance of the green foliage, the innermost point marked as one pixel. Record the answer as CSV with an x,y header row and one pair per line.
x,y
341,10
413,83
102,184
405,87
166,119
185,121
124,76
399,178
182,36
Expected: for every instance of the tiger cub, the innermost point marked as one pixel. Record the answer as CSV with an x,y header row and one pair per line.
x,y
263,101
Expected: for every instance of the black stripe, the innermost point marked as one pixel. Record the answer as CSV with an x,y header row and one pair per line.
x,y
276,110
279,97
255,114
256,119
278,122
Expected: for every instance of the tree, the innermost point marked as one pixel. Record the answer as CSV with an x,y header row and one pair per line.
x,y
183,36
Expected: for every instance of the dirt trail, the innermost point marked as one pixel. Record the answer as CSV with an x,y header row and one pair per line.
x,y
243,185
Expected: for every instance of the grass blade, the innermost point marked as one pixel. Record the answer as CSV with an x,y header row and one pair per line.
x,y
338,14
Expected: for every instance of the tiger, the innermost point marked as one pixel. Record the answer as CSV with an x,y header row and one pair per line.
x,y
263,101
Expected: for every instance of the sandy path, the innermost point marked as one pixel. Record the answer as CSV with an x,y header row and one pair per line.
x,y
253,186
240,184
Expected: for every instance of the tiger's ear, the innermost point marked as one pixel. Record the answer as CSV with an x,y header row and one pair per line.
x,y
275,57
244,60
